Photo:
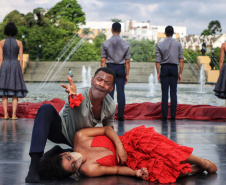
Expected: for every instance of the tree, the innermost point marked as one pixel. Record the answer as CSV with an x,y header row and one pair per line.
x,y
116,20
142,51
86,31
68,10
215,27
15,17
29,18
86,53
98,41
39,12
206,32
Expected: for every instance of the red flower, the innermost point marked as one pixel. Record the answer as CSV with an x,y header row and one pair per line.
x,y
76,100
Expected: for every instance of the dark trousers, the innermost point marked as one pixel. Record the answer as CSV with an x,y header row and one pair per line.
x,y
47,125
169,78
120,73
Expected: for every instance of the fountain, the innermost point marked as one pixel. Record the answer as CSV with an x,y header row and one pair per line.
x,y
151,85
156,77
89,75
76,44
86,76
202,79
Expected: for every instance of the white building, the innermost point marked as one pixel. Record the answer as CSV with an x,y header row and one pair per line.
x,y
194,42
133,29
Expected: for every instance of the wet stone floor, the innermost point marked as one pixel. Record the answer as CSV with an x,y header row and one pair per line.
x,y
207,138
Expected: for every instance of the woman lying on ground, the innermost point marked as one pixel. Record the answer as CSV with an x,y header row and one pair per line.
x,y
147,155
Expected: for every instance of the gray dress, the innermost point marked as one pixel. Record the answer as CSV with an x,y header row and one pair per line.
x,y
11,77
220,88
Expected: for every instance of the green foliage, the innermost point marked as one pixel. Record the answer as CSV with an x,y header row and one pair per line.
x,y
86,53
68,10
98,41
142,51
48,38
206,32
52,30
116,20
30,21
86,31
39,12
191,55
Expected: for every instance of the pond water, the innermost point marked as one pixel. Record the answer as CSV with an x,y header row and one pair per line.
x,y
135,93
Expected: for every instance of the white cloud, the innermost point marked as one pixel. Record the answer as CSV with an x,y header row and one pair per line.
x,y
194,14
41,1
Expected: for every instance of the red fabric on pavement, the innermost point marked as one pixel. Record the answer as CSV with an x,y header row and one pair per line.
x,y
152,111
135,111
29,110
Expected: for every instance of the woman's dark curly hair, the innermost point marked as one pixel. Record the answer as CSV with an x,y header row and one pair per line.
x,y
10,29
51,168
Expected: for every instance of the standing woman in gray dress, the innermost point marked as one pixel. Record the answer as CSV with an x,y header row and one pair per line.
x,y
11,77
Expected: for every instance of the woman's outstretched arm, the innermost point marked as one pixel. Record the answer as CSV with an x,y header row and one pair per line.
x,y
87,133
99,170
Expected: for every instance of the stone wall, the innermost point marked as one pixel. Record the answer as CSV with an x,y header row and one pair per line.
x,y
139,71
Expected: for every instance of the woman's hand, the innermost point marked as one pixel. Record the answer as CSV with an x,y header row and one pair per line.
x,y
142,173
121,155
70,89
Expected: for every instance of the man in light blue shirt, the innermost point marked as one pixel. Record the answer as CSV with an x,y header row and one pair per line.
x,y
169,55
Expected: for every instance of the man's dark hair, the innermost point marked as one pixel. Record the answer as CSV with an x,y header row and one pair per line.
x,y
51,168
106,70
116,27
169,31
10,29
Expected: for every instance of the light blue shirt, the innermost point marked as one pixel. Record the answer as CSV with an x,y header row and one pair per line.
x,y
77,118
115,50
169,51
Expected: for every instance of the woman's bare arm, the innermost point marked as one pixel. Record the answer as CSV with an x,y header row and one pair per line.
x,y
1,51
20,53
88,133
99,170
222,54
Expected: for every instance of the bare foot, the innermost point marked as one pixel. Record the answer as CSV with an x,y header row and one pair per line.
x,y
210,166
197,169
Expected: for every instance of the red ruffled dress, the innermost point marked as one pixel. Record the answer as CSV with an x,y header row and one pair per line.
x,y
146,148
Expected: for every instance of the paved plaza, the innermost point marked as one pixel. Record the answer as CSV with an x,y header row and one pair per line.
x,y
207,138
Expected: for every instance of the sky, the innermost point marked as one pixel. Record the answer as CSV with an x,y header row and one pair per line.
x,y
194,14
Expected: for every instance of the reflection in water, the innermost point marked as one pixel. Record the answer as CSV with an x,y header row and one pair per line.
x,y
9,130
121,129
173,131
165,128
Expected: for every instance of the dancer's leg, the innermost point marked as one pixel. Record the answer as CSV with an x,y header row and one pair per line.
x,y
47,125
15,104
194,169
207,165
5,106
